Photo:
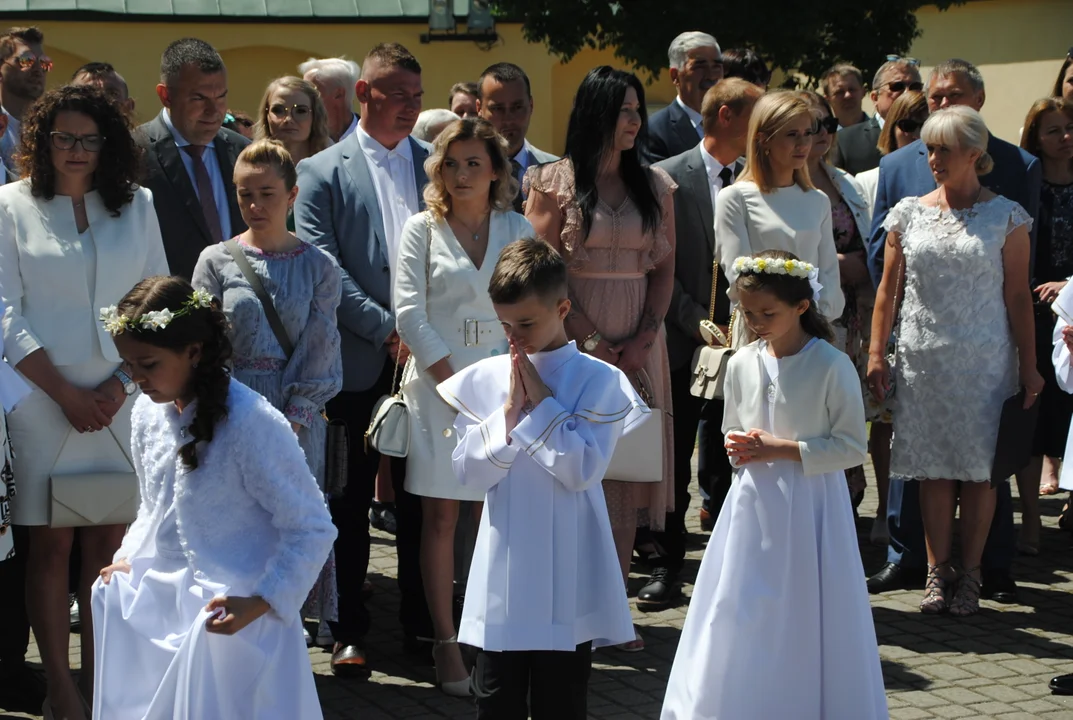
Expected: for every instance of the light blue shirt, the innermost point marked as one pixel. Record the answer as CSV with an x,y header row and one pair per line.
x,y
212,165
10,139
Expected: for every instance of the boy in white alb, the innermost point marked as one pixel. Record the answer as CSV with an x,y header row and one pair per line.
x,y
536,430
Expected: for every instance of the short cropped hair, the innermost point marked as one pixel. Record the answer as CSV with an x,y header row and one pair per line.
x,y
430,120
678,52
27,35
880,78
528,267
956,66
504,72
466,88
840,70
745,63
394,55
99,72
188,51
734,93
962,127
335,71
267,152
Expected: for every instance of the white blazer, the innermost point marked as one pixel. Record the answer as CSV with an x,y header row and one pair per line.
x,y
819,404
856,197
43,270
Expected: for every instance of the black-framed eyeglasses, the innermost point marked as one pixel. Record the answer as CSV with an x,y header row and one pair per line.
x,y
901,86
829,123
67,141
27,60
907,60
298,112
909,126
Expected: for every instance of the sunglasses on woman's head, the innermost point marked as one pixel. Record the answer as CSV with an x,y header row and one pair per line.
x,y
829,123
26,61
902,86
909,126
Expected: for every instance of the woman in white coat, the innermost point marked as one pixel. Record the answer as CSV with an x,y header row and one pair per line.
x,y
75,233
446,319
774,205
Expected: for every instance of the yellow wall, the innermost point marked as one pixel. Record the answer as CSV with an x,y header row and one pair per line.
x,y
1018,44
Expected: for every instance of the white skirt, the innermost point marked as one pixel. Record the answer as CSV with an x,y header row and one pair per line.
x,y
156,661
780,594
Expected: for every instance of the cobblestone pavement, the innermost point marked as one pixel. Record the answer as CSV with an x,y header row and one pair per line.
x,y
994,665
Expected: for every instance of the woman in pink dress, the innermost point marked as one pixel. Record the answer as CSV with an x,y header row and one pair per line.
x,y
613,221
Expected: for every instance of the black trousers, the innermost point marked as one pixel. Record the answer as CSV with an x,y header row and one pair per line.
x,y
556,684
350,513
14,624
713,466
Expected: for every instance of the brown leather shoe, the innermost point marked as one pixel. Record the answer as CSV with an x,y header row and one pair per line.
x,y
706,521
348,661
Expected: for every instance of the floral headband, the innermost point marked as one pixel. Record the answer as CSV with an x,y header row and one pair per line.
x,y
117,324
771,266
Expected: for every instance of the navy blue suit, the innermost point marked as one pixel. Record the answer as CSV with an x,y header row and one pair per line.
x,y
670,133
905,173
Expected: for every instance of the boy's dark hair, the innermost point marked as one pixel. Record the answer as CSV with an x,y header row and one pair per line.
x,y
528,267
788,289
208,326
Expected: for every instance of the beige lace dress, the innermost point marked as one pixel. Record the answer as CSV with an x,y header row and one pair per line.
x,y
608,284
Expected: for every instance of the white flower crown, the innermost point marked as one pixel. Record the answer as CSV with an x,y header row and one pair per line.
x,y
771,266
117,324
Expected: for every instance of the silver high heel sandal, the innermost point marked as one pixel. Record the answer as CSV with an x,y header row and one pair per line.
x,y
452,688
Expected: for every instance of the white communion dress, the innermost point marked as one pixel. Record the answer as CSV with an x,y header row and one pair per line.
x,y
779,625
155,660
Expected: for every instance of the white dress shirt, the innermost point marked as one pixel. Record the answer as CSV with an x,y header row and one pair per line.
x,y
350,130
714,167
693,115
212,165
879,119
396,188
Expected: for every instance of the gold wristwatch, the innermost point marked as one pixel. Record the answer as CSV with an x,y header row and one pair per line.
x,y
589,344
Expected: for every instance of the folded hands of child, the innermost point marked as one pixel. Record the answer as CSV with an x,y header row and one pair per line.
x,y
527,390
760,446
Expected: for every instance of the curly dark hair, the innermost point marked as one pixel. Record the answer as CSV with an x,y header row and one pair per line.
x,y
119,162
208,326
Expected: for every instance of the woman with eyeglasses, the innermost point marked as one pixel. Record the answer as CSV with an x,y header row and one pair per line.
x,y
1048,135
1063,84
293,113
902,127
75,232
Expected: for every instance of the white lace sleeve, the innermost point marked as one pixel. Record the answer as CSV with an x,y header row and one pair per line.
x,y
1018,217
897,219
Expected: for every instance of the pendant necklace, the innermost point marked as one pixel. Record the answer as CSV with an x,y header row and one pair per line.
x,y
475,235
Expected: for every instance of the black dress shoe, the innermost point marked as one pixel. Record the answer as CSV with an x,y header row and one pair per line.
x,y
661,589
999,587
894,577
348,661
21,689
1062,685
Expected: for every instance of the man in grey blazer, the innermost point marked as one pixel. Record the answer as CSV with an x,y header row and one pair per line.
x,y
858,149
504,98
700,173
189,156
353,199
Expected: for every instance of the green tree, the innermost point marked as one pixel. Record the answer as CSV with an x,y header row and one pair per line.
x,y
795,35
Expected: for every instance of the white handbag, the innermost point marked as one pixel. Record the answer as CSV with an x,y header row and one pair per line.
x,y
389,428
710,361
638,456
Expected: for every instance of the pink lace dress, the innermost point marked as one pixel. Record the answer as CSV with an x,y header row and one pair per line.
x,y
609,283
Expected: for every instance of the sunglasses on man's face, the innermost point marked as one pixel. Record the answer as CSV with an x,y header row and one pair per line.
x,y
27,60
901,86
829,123
909,126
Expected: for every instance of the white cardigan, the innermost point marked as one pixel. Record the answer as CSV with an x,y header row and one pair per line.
x,y
250,514
819,404
43,270
798,221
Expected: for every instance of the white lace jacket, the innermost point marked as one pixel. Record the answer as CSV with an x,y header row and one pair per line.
x,y
250,514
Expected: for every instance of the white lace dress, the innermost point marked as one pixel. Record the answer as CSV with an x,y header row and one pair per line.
x,y
956,360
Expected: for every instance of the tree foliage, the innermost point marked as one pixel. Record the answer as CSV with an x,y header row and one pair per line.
x,y
794,35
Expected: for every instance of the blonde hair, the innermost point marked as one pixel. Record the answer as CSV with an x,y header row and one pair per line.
x,y
910,104
504,187
962,127
772,113
267,152
319,139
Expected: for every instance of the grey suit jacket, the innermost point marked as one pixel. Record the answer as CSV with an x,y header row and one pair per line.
x,y
694,256
857,148
337,210
182,223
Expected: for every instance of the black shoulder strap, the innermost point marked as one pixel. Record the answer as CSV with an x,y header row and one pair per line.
x,y
266,300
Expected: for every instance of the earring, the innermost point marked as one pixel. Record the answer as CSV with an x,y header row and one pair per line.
x,y
193,365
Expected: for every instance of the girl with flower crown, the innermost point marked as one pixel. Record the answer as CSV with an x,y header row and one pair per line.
x,y
197,617
780,591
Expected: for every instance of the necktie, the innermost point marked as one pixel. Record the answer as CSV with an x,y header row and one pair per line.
x,y
516,169
726,175
204,191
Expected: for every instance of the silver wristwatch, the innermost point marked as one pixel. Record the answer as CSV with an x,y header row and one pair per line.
x,y
129,386
591,342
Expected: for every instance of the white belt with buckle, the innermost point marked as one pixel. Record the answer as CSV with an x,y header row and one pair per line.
x,y
473,330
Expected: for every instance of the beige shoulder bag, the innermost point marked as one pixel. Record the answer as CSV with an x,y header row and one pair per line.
x,y
710,360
